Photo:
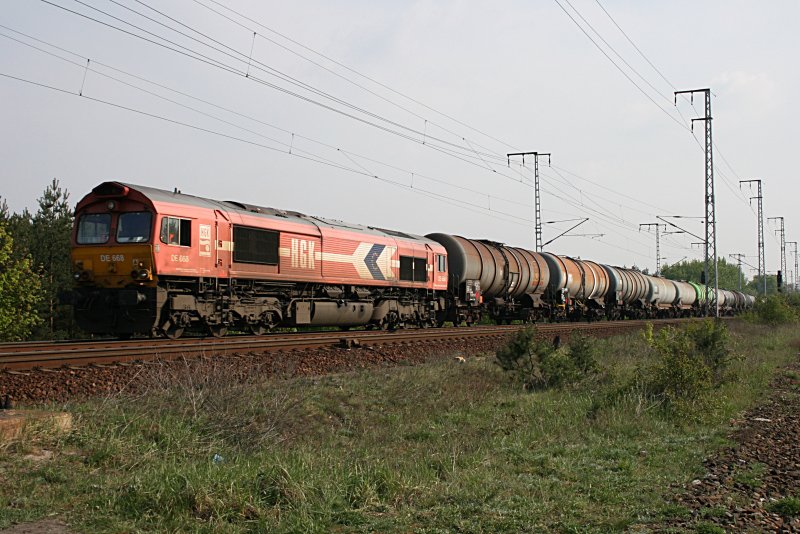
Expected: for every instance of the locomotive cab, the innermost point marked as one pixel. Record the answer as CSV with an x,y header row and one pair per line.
x,y
113,263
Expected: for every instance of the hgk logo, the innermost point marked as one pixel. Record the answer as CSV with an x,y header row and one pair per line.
x,y
302,254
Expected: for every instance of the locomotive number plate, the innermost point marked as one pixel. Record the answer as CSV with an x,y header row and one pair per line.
x,y
179,258
112,257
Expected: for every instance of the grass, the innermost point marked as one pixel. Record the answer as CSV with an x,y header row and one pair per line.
x,y
439,447
788,507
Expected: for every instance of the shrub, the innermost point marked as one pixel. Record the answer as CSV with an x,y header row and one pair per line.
x,y
774,310
687,365
537,363
678,375
583,351
711,339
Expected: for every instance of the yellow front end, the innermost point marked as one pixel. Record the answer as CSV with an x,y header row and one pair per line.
x,y
115,266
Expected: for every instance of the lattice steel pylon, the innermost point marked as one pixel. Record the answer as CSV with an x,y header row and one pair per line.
x,y
537,197
739,257
782,231
658,243
762,262
710,200
794,278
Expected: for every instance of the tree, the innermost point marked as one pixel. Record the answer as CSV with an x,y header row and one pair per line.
x,y
756,285
20,291
691,271
47,236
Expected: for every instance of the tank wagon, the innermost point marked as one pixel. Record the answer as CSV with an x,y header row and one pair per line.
x,y
154,262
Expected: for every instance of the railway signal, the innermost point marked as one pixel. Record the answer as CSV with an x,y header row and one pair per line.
x,y
782,232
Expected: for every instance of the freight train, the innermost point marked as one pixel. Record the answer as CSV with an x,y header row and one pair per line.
x,y
154,262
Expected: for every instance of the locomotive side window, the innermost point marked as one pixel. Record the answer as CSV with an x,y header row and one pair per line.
x,y
441,263
420,270
406,268
176,231
254,245
134,227
413,269
94,228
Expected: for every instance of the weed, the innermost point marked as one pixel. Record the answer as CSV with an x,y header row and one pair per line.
x,y
750,477
787,507
708,528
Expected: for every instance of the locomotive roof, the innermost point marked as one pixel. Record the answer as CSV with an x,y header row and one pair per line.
x,y
176,197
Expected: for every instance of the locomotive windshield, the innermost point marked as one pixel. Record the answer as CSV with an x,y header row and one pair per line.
x,y
134,227
94,228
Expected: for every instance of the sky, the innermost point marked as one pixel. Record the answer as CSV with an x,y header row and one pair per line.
x,y
400,114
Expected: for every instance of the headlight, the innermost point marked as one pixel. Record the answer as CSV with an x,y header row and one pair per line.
x,y
143,274
76,275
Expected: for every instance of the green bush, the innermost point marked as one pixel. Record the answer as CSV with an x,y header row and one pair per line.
x,y
539,364
711,339
775,310
687,365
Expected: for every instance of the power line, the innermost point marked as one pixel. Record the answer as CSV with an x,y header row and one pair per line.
x,y
212,62
312,158
634,45
620,69
350,69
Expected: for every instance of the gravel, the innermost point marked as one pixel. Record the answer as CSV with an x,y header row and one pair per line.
x,y
762,467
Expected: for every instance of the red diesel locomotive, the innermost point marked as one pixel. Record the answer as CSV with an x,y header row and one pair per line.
x,y
149,261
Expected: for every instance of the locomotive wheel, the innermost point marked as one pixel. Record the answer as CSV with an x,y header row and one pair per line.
x,y
258,329
218,330
173,332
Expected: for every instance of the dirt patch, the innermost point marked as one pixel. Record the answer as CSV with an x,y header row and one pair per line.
x,y
45,526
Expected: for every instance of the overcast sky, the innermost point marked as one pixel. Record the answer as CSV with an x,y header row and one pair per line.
x,y
426,96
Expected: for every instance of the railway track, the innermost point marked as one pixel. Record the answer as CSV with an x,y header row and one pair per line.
x,y
16,357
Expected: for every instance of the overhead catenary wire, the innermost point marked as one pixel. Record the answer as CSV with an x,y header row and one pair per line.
x,y
457,151
441,149
474,151
725,180
349,69
312,158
